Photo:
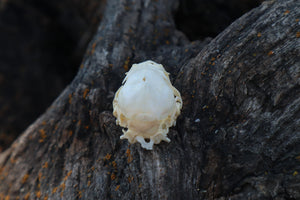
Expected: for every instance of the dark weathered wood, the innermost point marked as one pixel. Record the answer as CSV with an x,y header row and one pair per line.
x,y
41,47
243,86
200,18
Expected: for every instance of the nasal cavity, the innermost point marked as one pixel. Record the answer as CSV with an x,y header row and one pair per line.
x,y
147,140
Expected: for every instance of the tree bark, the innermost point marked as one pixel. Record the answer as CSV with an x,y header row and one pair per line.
x,y
238,136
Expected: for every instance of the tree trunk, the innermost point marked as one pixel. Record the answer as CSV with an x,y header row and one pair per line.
x,y
238,136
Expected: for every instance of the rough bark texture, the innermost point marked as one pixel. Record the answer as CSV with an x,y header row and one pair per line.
x,y
243,86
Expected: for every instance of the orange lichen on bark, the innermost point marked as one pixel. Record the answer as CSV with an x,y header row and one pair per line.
x,y
130,179
79,194
128,155
26,197
112,176
54,190
297,34
45,165
114,164
89,183
286,12
70,133
68,174
42,135
108,156
46,197
126,64
7,197
270,53
63,186
117,188
127,152
70,98
259,34
39,178
85,93
25,177
38,194
93,47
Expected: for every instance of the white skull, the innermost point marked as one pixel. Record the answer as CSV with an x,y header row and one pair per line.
x,y
147,104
